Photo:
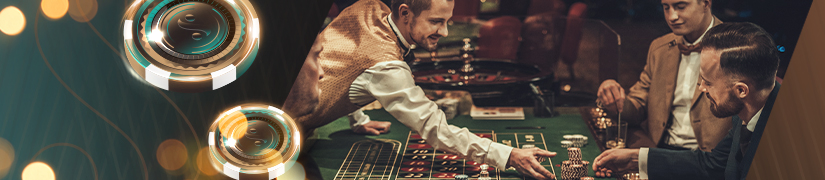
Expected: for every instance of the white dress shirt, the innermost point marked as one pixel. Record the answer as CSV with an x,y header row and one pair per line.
x,y
680,133
391,83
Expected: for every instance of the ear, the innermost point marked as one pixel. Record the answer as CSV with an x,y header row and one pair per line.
x,y
707,4
742,89
404,12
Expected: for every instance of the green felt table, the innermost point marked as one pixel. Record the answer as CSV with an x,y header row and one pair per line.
x,y
332,142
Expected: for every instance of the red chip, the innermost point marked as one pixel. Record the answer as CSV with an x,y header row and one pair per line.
x,y
484,135
473,163
415,136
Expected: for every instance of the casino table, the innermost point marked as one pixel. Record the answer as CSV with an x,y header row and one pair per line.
x,y
332,142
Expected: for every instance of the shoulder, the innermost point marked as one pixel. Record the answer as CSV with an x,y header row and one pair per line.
x,y
663,42
366,7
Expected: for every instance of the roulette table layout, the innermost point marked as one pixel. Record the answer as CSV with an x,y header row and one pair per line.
x,y
402,154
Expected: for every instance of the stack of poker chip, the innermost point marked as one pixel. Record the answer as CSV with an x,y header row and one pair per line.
x,y
574,140
484,174
586,178
574,168
462,177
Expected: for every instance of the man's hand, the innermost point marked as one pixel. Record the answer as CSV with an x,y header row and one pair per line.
x,y
616,160
525,161
374,128
611,95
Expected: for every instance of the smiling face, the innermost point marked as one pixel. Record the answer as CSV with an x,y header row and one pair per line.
x,y
718,86
430,25
687,17
303,98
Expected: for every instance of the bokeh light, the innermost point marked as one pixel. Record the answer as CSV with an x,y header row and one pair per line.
x,y
204,164
38,171
297,172
12,21
233,125
54,9
82,10
7,153
172,154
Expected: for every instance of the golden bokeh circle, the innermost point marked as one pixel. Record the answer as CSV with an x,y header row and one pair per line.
x,y
82,10
12,21
233,125
204,164
7,153
295,172
38,171
54,9
172,154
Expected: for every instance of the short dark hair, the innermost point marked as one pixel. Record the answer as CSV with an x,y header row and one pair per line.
x,y
747,52
416,6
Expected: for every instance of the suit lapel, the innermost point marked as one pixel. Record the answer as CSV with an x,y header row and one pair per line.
x,y
672,59
698,92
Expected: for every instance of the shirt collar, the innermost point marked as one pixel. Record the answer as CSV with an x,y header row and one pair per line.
x,y
398,33
703,34
752,123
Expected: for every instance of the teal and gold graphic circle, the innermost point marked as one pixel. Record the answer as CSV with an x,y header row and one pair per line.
x,y
190,45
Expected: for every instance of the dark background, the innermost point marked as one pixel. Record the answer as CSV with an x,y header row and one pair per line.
x,y
79,92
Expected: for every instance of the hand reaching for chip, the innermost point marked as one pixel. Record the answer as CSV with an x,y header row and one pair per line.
x,y
374,128
526,162
615,161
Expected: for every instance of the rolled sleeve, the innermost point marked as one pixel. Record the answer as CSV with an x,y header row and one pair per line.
x,y
392,84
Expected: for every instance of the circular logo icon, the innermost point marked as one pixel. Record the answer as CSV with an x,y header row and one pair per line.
x,y
253,139
193,28
190,45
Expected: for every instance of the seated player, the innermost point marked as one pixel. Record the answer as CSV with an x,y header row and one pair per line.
x,y
738,68
666,101
359,58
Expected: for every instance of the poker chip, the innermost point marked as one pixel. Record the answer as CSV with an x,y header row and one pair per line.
x,y
586,178
253,139
566,144
190,45
630,176
574,140
462,177
575,154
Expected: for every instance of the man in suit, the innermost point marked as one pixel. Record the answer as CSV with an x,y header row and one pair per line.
x,y
738,70
359,59
666,101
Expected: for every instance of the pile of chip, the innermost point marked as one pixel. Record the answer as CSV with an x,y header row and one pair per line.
x,y
484,174
574,140
575,168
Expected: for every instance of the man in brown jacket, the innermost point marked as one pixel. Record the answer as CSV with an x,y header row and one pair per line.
x,y
666,101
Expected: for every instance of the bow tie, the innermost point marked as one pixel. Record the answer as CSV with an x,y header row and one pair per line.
x,y
686,50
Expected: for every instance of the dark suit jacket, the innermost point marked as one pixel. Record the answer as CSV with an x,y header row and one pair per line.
x,y
721,163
